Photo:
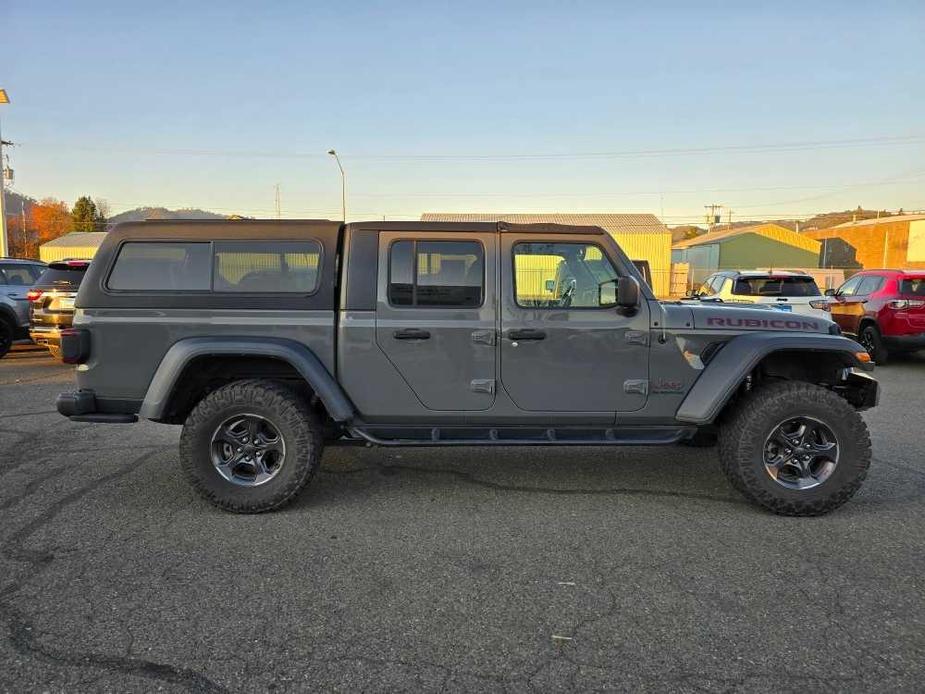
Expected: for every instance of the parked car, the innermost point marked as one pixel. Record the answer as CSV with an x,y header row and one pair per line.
x,y
794,292
51,302
883,309
16,276
269,340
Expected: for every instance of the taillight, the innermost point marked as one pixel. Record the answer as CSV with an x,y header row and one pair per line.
x,y
75,345
34,294
821,304
900,304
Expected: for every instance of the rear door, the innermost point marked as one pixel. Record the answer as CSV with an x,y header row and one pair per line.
x,y
436,315
561,350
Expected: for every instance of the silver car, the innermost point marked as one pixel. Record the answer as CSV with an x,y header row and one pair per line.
x,y
16,276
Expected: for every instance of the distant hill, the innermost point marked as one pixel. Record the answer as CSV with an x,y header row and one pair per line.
x,y
823,220
139,214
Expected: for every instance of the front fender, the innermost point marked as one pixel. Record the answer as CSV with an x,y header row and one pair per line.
x,y
738,357
294,353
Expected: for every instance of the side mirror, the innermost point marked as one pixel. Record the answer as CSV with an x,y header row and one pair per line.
x,y
628,293
622,292
829,292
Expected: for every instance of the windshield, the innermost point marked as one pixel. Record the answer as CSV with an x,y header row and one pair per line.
x,y
775,286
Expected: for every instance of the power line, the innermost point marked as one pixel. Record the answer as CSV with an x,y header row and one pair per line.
x,y
768,148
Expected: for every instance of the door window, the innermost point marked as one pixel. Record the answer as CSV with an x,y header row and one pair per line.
x,y
449,274
850,287
562,275
870,284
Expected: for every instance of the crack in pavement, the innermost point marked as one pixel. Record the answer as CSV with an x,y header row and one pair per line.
x,y
468,477
22,635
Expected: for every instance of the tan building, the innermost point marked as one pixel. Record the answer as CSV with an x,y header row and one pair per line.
x,y
888,242
76,244
641,236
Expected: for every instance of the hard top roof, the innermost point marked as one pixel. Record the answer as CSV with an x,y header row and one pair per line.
x,y
24,261
247,229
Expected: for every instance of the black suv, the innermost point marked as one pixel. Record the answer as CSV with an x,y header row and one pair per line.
x,y
51,302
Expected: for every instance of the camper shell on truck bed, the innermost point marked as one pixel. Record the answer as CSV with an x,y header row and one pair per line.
x,y
268,339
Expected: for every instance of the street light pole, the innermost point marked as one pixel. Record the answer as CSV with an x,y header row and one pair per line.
x,y
343,184
4,238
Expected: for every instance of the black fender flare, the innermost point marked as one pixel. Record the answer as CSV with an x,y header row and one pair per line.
x,y
738,357
297,355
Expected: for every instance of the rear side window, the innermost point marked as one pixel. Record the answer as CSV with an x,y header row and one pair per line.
x,y
775,286
913,286
19,275
62,277
272,267
162,266
436,273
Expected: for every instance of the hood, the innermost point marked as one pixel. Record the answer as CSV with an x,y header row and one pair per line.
x,y
709,315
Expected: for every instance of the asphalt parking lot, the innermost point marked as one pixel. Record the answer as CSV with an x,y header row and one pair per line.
x,y
460,569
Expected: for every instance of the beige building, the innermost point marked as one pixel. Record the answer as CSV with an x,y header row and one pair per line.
x,y
641,236
76,244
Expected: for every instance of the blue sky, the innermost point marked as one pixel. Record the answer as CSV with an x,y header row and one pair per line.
x,y
210,104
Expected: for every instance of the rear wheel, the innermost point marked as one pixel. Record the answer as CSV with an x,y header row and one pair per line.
x,y
6,336
795,448
251,446
872,341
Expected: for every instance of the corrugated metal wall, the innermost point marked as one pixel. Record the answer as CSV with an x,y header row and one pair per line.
x,y
50,253
656,249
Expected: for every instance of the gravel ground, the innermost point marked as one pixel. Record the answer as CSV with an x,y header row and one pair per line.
x,y
448,569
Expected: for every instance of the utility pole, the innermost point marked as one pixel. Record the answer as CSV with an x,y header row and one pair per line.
x,y
277,201
4,239
712,217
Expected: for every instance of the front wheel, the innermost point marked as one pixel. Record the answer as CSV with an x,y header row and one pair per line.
x,y
251,446
795,448
872,341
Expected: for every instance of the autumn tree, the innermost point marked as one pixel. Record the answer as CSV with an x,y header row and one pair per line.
x,y
84,214
51,219
102,213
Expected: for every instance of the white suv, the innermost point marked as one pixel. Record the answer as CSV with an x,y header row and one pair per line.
x,y
794,292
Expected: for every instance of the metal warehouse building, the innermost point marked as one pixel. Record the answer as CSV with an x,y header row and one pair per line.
x,y
746,248
641,236
77,244
897,242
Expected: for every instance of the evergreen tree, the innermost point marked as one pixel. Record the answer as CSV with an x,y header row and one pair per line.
x,y
84,214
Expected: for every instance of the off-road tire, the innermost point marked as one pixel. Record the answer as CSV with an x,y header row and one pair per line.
x,y
299,427
7,333
742,437
871,339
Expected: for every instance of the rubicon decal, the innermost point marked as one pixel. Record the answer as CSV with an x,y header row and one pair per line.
x,y
769,323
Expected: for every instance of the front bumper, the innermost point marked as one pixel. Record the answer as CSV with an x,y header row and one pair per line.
x,y
860,388
80,406
904,343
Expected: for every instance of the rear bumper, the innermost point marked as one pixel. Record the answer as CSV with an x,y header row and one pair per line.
x,y
904,343
45,336
81,406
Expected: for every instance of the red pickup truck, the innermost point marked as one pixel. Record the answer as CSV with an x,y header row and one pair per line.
x,y
884,310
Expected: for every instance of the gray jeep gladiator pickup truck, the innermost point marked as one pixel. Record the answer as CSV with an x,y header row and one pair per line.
x,y
267,340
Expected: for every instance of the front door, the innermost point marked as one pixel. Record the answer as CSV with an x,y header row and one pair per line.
x,y
436,316
564,346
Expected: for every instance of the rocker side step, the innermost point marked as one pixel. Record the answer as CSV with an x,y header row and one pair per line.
x,y
520,436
